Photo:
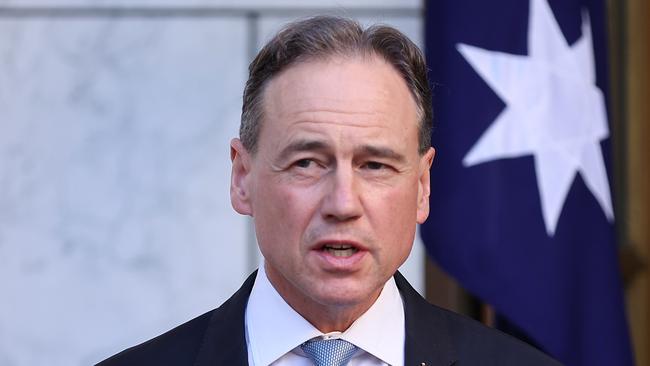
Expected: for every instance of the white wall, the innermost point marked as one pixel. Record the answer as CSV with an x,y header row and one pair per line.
x,y
115,220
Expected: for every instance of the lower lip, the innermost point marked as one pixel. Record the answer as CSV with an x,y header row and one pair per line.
x,y
334,263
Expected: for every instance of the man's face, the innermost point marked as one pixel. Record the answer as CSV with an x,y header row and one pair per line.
x,y
337,185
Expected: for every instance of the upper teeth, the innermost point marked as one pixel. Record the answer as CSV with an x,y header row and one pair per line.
x,y
340,250
338,246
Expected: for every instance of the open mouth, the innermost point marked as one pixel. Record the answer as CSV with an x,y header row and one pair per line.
x,y
340,250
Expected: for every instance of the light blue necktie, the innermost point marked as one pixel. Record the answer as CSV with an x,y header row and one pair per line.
x,y
329,352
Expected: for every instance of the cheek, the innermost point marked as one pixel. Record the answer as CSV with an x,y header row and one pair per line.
x,y
282,211
394,213
399,203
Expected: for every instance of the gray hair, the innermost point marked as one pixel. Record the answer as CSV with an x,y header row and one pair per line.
x,y
325,36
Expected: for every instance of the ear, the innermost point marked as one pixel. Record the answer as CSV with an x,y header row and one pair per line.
x,y
424,185
240,178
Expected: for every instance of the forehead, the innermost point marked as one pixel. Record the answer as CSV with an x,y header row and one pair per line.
x,y
351,92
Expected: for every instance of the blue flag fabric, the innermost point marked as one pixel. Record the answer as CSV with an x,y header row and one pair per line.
x,y
521,209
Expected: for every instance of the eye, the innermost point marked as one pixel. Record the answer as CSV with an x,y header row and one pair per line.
x,y
373,165
304,163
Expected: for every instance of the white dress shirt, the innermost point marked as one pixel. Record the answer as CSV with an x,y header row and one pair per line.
x,y
274,331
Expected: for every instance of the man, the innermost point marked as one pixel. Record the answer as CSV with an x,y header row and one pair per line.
x,y
333,165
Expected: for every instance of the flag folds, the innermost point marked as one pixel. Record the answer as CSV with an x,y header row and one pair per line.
x,y
521,206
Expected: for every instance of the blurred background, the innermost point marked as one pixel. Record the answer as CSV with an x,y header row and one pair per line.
x,y
115,122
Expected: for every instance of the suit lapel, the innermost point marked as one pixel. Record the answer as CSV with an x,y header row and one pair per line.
x,y
428,338
224,343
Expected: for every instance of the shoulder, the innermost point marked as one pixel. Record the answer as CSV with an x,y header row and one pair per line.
x,y
178,346
433,333
478,343
195,342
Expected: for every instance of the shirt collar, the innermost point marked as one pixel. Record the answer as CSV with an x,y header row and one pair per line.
x,y
380,330
273,328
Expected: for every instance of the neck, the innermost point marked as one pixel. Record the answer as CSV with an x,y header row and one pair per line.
x,y
330,318
326,317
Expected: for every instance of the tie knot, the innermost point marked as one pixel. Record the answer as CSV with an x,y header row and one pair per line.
x,y
329,352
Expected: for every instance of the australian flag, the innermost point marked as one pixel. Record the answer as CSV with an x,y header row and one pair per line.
x,y
521,204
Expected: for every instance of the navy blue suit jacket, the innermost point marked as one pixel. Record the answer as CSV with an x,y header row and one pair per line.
x,y
434,337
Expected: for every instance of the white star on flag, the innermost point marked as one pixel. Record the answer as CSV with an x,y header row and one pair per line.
x,y
554,111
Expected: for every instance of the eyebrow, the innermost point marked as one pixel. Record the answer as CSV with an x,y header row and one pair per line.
x,y
302,145
380,152
317,145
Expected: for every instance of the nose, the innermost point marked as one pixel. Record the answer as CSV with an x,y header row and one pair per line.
x,y
342,201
